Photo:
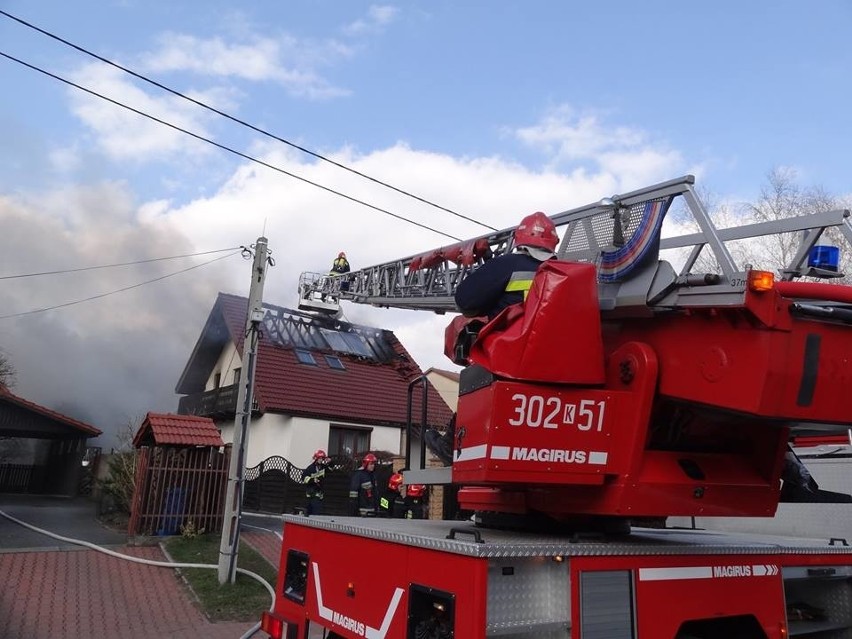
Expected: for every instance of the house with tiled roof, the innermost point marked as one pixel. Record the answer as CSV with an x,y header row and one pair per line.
x,y
320,382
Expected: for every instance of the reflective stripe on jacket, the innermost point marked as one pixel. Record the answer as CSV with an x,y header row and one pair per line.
x,y
520,282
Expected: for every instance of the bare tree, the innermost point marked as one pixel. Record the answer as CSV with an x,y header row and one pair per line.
x,y
7,371
120,482
782,198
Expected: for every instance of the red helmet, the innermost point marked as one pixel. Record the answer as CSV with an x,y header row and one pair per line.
x,y
416,490
395,481
341,254
320,454
369,458
537,230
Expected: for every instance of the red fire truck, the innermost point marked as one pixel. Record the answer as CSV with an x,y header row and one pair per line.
x,y
621,389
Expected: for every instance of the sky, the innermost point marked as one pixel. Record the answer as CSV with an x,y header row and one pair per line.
x,y
490,109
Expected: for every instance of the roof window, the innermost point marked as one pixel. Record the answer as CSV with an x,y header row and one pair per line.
x,y
305,357
334,362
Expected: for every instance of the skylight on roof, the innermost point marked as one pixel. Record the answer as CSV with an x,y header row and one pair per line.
x,y
334,362
305,357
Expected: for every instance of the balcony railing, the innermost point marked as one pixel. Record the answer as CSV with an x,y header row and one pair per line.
x,y
220,402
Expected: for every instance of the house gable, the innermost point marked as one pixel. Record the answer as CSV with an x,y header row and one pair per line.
x,y
315,366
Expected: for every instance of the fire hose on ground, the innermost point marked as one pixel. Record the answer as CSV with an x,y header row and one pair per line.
x,y
149,562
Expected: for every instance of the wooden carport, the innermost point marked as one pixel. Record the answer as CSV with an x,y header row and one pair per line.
x,y
41,451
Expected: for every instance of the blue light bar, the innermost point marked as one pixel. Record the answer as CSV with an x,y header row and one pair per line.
x,y
824,257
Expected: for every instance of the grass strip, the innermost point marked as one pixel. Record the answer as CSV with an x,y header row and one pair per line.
x,y
243,600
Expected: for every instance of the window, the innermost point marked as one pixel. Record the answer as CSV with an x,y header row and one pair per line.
x,y
334,362
348,441
305,357
217,380
237,373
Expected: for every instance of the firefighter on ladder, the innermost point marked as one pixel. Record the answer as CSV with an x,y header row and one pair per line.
x,y
363,495
507,279
339,267
494,286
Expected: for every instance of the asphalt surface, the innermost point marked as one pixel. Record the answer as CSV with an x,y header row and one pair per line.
x,y
73,518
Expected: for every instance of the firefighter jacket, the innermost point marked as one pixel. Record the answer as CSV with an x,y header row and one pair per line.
x,y
496,284
414,508
340,265
313,478
392,504
363,495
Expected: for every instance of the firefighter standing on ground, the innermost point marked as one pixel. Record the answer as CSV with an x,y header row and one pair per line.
x,y
414,505
392,503
507,279
313,478
363,495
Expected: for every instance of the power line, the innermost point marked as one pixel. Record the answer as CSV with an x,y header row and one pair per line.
x,y
238,120
92,268
120,290
224,147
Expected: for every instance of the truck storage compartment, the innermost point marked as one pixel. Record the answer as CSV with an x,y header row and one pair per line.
x,y
818,601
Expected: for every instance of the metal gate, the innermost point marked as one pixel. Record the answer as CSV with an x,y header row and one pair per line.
x,y
176,486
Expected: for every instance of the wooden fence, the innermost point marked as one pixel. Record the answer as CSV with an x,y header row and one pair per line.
x,y
176,486
21,478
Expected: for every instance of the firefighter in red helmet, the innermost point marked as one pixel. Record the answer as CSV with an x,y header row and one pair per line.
x,y
506,280
415,502
392,502
340,267
313,477
363,495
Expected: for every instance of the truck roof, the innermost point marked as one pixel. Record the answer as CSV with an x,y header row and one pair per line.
x,y
468,539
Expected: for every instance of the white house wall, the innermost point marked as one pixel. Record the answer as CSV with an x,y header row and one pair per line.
x,y
447,388
228,361
297,438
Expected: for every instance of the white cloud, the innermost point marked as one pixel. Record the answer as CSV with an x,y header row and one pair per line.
x,y
569,138
378,17
286,60
127,136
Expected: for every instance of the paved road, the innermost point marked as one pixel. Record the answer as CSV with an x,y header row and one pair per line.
x,y
57,590
73,518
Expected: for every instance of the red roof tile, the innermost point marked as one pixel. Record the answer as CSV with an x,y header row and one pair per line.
x,y
177,430
372,391
8,396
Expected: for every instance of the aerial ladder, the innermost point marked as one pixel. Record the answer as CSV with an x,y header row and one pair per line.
x,y
626,387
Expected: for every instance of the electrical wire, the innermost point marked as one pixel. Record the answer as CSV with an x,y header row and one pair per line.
x,y
92,268
232,118
120,290
224,147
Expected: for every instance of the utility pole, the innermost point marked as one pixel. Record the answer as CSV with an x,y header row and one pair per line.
x,y
229,546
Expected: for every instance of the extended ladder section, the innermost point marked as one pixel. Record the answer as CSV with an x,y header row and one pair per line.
x,y
620,235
